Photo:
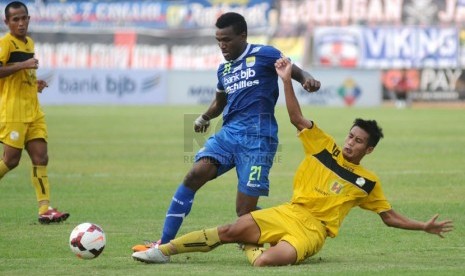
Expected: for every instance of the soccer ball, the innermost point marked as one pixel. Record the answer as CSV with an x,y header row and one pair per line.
x,y
87,240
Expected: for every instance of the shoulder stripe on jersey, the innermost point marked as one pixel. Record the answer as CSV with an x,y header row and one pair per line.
x,y
19,56
328,161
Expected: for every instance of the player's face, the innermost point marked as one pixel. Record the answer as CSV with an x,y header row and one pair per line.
x,y
231,44
356,145
18,22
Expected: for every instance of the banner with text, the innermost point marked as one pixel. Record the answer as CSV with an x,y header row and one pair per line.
x,y
387,47
152,15
80,86
312,13
339,88
427,84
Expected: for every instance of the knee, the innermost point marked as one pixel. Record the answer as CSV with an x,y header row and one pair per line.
x,y
201,173
227,233
40,160
12,162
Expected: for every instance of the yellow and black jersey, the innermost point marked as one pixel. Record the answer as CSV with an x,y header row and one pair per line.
x,y
328,186
18,95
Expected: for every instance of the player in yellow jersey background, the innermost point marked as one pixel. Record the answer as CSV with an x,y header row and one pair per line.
x,y
22,122
328,183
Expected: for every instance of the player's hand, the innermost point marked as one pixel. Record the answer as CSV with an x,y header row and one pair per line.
x,y
31,63
311,85
438,227
201,124
41,84
283,68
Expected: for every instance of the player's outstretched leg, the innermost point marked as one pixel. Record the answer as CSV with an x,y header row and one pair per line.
x,y
180,207
197,241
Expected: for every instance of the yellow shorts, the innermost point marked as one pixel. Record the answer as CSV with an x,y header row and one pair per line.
x,y
18,134
291,223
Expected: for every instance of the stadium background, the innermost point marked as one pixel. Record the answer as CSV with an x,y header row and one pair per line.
x,y
117,165
164,52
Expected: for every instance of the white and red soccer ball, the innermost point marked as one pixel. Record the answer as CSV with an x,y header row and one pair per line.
x,y
87,240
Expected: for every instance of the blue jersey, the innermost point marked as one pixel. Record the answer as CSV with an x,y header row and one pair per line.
x,y
251,85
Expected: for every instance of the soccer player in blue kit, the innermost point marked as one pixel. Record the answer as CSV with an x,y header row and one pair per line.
x,y
247,92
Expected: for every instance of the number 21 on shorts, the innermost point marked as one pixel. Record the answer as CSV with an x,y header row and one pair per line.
x,y
255,172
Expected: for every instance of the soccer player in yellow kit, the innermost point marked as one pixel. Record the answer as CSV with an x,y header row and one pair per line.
x,y
328,183
22,122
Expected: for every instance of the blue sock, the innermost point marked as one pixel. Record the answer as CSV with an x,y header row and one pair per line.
x,y
180,207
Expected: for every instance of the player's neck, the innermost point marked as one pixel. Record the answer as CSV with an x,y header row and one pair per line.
x,y
20,38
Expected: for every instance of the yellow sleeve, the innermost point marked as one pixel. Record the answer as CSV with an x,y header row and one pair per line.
x,y
314,140
4,51
376,201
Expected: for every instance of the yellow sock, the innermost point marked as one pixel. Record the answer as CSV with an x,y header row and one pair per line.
x,y
253,251
42,187
3,169
197,241
43,209
166,249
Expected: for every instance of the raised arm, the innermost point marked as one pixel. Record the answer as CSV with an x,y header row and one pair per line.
x,y
393,219
216,107
306,80
283,68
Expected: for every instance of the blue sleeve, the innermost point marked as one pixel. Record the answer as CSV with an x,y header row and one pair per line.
x,y
270,53
219,72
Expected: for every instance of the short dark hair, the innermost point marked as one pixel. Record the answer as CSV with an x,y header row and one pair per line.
x,y
372,128
14,5
233,19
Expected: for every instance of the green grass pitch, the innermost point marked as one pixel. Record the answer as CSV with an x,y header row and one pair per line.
x,y
119,166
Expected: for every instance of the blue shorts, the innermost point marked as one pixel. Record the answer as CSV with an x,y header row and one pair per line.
x,y
251,155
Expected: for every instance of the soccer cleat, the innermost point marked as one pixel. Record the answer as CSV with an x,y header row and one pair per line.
x,y
145,246
52,216
153,255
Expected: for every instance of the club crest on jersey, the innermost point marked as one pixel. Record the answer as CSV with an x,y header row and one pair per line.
x,y
360,181
250,61
14,135
336,187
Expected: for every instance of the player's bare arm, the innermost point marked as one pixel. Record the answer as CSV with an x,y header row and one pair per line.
x,y
216,107
393,219
6,71
283,68
307,81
